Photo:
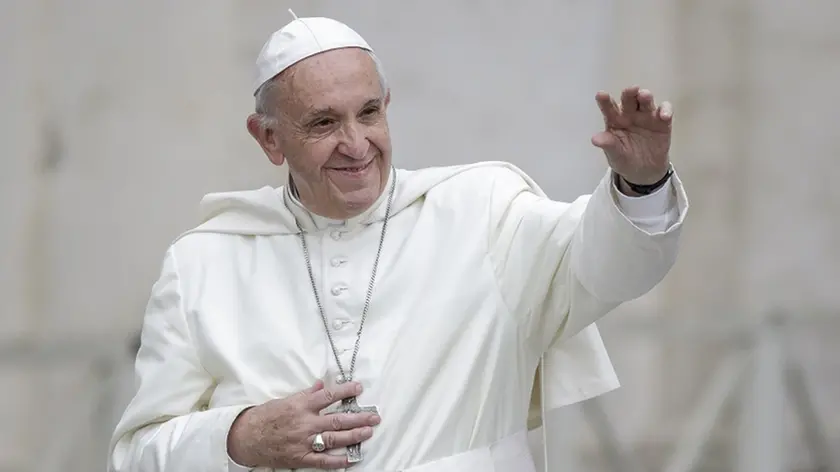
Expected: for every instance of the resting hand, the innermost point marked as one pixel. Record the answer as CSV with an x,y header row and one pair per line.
x,y
636,136
279,433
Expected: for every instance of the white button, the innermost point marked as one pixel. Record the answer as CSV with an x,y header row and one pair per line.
x,y
337,290
338,324
339,379
337,261
336,235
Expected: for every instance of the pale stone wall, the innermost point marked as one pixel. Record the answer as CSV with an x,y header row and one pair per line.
x,y
118,116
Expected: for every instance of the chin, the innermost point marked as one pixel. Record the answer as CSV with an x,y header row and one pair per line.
x,y
361,199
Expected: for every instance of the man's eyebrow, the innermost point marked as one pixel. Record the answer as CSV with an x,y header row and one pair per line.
x,y
373,101
319,112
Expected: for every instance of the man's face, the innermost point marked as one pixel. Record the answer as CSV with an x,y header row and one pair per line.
x,y
332,131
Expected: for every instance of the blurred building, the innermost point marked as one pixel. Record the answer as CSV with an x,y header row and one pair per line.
x,y
117,117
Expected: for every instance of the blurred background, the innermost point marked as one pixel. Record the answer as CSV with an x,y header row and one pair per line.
x,y
116,117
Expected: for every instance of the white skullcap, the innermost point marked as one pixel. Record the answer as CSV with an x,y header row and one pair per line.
x,y
302,38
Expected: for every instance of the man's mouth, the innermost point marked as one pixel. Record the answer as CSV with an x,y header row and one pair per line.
x,y
354,169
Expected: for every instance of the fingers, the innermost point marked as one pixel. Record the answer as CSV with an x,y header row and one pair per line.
x,y
345,421
324,461
337,439
304,394
318,385
638,109
607,105
665,111
629,99
645,99
604,140
327,396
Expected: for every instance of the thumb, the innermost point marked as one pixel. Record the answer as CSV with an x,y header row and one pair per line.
x,y
604,140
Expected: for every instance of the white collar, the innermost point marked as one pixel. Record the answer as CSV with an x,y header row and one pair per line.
x,y
311,221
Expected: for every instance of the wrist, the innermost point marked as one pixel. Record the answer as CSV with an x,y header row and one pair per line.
x,y
240,440
625,189
649,186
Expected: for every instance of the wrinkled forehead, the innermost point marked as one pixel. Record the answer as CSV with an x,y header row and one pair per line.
x,y
332,79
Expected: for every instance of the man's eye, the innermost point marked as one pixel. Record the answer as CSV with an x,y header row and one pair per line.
x,y
322,123
370,111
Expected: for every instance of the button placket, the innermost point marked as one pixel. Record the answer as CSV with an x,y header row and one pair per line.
x,y
338,289
335,277
341,323
348,260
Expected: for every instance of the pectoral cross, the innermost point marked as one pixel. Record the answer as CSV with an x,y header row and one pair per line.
x,y
350,405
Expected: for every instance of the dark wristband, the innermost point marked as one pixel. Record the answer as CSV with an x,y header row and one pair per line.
x,y
650,188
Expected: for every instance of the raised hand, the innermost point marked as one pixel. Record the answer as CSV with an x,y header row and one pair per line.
x,y
279,433
636,136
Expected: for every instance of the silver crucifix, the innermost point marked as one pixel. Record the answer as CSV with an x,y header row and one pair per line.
x,y
350,405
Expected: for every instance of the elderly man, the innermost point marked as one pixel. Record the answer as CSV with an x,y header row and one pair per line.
x,y
382,319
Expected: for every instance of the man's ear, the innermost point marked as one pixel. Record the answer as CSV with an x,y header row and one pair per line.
x,y
387,98
266,138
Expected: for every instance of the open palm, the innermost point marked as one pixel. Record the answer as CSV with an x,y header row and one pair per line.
x,y
636,136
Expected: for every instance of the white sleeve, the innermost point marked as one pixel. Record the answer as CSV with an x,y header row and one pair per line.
x,y
652,213
166,427
561,266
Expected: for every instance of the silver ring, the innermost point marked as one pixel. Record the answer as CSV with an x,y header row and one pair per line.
x,y
318,444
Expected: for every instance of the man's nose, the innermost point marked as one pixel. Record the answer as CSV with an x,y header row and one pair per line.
x,y
354,143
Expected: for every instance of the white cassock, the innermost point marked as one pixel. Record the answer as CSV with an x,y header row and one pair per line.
x,y
481,277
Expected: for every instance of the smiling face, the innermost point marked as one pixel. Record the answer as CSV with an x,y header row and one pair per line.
x,y
331,129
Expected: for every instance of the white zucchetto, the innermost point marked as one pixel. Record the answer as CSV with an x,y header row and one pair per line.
x,y
302,38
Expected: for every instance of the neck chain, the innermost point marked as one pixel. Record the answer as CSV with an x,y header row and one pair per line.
x,y
347,376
